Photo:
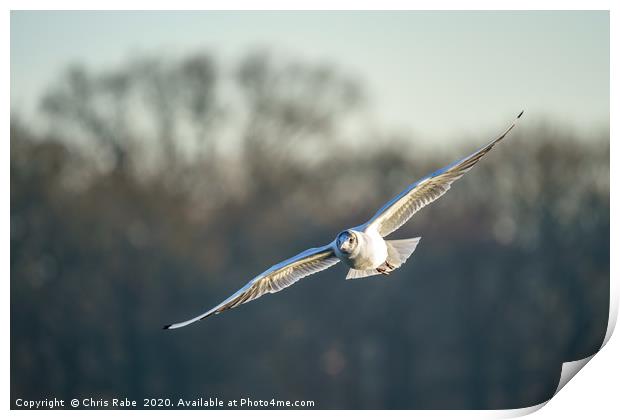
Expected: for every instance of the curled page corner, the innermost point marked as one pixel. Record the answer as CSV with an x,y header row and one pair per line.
x,y
569,370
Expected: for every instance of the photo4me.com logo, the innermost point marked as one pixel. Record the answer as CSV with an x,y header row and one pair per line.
x,y
243,403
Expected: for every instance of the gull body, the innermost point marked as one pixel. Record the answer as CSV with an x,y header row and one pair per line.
x,y
363,248
368,250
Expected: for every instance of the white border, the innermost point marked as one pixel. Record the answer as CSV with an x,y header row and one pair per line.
x,y
597,384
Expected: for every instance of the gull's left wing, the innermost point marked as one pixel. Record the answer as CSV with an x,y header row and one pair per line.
x,y
274,279
400,209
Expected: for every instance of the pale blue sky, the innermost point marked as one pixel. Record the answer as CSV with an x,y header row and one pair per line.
x,y
439,75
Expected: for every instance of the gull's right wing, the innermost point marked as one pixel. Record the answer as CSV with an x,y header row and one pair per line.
x,y
273,280
402,207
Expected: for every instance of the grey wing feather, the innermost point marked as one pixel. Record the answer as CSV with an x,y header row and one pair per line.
x,y
426,190
273,280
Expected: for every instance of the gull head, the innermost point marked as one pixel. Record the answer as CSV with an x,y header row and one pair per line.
x,y
346,241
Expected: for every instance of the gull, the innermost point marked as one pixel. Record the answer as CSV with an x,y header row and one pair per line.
x,y
362,248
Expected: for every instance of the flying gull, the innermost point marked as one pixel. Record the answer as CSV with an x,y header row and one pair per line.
x,y
362,248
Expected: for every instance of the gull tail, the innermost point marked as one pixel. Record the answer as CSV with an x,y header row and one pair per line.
x,y
399,250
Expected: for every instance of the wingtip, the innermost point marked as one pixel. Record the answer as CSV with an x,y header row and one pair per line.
x,y
520,113
167,327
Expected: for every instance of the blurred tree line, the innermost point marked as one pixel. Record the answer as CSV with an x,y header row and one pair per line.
x,y
163,186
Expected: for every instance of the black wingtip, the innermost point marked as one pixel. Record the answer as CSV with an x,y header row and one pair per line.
x,y
520,113
167,327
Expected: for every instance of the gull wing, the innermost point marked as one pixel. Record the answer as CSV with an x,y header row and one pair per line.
x,y
426,190
274,279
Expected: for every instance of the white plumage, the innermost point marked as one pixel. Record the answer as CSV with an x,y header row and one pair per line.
x,y
362,248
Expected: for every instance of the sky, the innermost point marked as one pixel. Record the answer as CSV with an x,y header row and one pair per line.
x,y
438,75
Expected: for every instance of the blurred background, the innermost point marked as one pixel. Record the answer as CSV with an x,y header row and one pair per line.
x,y
160,160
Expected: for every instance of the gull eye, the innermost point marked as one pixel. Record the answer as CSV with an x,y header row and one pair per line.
x,y
351,239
